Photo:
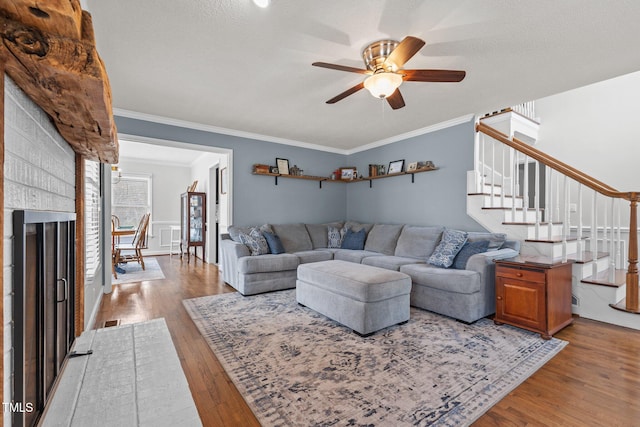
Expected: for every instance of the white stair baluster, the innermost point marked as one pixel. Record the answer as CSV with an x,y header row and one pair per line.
x,y
477,180
483,147
525,189
550,207
612,255
493,171
503,181
567,220
593,247
515,189
536,198
580,241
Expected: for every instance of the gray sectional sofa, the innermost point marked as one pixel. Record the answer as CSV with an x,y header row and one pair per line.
x,y
466,293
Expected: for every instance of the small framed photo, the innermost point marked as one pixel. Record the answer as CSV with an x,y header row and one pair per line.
x,y
273,169
412,166
396,166
347,173
283,166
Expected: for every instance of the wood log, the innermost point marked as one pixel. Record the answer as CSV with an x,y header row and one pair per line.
x,y
50,53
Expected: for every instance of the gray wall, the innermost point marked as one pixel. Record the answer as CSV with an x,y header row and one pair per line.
x,y
256,199
436,198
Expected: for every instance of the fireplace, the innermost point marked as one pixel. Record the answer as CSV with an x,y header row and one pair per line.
x,y
43,307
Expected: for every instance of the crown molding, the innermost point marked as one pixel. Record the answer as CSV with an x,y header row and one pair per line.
x,y
223,131
242,134
413,133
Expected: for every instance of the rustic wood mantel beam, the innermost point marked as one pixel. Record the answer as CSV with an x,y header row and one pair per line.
x,y
48,49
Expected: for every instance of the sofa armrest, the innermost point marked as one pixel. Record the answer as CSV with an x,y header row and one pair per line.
x,y
231,252
484,264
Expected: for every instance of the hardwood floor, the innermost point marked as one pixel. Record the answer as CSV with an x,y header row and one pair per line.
x,y
594,381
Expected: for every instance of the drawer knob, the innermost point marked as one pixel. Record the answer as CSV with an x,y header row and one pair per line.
x,y
519,274
499,298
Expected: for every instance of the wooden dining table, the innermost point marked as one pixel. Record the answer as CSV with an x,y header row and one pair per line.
x,y
116,233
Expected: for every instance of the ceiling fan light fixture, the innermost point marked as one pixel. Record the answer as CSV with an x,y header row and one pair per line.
x,y
382,85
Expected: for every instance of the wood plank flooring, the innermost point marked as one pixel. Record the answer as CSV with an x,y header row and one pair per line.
x,y
594,381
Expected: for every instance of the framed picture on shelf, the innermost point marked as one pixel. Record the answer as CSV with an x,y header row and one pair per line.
x,y
347,173
273,169
396,166
283,166
412,166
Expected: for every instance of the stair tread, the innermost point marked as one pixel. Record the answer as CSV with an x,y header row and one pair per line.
x,y
587,256
622,307
508,208
489,194
529,223
602,278
552,239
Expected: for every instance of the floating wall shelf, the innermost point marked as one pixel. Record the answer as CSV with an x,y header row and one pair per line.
x,y
322,179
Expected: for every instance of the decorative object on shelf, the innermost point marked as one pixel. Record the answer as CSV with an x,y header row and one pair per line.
x,y
427,164
295,171
193,186
348,173
224,180
283,166
396,166
260,168
376,170
273,169
412,166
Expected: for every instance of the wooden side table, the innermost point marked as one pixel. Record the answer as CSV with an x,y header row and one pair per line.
x,y
533,295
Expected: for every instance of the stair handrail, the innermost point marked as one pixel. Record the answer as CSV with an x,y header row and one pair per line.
x,y
632,303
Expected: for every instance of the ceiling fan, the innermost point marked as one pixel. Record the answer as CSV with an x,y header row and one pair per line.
x,y
384,60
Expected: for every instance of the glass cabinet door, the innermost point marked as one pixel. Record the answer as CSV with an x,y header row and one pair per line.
x,y
195,218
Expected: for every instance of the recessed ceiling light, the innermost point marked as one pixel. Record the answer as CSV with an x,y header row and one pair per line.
x,y
262,3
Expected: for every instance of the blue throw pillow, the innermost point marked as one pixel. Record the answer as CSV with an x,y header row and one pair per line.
x,y
451,243
354,239
274,242
469,249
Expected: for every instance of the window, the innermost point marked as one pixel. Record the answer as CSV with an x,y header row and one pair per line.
x,y
92,219
130,197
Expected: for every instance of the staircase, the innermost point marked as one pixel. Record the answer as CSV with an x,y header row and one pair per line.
x,y
558,213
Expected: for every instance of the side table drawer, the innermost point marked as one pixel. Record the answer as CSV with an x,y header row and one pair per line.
x,y
520,274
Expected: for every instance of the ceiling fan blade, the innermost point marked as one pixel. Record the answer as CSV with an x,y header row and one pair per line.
x,y
433,75
408,47
395,100
341,68
346,93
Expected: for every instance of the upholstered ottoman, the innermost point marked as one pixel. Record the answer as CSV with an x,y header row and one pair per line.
x,y
361,297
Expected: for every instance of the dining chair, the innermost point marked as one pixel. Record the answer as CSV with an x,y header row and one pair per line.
x,y
134,249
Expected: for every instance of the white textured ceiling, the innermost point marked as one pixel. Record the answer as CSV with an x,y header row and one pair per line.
x,y
232,65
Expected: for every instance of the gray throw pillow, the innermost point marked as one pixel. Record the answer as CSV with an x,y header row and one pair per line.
x,y
446,251
334,237
255,241
468,250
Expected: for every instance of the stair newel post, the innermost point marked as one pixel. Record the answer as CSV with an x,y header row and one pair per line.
x,y
632,303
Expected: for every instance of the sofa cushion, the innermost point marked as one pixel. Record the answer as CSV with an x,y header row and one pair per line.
x,y
418,242
353,240
294,237
267,263
234,232
496,240
255,241
383,238
274,242
352,255
449,280
318,233
390,262
306,257
356,226
448,248
468,250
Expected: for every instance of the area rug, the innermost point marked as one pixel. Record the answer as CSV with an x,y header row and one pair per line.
x,y
135,273
295,367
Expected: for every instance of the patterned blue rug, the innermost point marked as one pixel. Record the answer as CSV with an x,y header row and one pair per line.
x,y
295,367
